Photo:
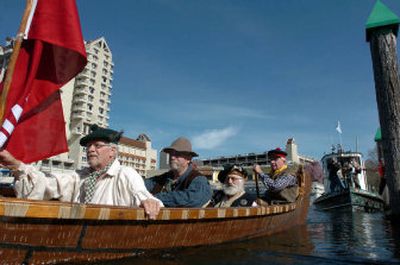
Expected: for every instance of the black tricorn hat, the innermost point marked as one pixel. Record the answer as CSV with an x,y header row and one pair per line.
x,y
228,168
277,152
98,133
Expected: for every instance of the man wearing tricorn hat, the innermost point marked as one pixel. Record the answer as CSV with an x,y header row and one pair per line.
x,y
233,192
281,182
183,185
106,181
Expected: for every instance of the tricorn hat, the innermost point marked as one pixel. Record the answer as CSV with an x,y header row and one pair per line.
x,y
98,133
228,168
181,145
277,152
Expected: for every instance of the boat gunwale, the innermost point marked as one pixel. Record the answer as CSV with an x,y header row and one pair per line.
x,y
12,207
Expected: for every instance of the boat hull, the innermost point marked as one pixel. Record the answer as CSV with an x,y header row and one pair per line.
x,y
350,198
38,232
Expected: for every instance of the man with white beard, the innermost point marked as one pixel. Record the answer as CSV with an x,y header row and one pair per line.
x,y
183,185
233,193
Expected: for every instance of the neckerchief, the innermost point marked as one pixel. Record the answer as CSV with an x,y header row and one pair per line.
x,y
90,182
273,174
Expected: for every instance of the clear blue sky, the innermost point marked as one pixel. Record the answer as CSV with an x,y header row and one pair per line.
x,y
236,76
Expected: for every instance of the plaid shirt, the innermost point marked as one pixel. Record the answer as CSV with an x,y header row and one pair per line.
x,y
279,183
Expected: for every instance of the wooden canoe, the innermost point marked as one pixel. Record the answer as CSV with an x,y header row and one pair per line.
x,y
48,232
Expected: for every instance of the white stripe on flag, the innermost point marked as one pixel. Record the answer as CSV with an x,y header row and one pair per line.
x,y
3,139
8,126
17,111
28,23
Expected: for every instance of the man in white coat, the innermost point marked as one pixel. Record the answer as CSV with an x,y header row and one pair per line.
x,y
105,181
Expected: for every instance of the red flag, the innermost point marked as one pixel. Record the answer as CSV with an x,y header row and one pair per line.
x,y
53,53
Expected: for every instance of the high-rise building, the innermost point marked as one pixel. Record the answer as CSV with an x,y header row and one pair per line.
x,y
86,100
91,97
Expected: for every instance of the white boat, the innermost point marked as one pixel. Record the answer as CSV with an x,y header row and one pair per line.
x,y
346,184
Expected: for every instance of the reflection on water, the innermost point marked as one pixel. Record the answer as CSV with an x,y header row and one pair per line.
x,y
340,237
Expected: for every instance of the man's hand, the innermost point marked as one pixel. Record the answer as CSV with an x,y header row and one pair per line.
x,y
257,169
151,208
7,160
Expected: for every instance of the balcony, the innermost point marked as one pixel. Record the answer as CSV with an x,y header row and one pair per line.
x,y
78,115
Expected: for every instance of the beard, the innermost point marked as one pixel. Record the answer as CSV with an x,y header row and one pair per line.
x,y
233,189
174,166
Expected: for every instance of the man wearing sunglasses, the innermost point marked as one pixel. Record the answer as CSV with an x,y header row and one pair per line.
x,y
281,182
183,185
233,193
105,181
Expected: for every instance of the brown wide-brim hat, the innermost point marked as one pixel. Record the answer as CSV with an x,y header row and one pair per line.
x,y
277,152
181,145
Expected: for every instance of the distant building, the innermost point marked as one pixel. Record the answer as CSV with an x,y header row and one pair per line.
x,y
164,160
137,154
250,159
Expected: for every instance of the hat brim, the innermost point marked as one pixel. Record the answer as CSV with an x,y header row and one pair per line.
x,y
88,138
169,150
277,153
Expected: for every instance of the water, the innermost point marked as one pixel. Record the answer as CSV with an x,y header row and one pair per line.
x,y
340,237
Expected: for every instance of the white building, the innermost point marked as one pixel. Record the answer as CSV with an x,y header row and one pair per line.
x,y
86,100
91,97
137,154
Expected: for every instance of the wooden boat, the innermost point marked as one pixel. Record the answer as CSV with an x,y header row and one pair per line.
x,y
345,194
48,232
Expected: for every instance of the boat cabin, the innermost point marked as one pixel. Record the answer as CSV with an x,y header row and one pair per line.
x,y
342,170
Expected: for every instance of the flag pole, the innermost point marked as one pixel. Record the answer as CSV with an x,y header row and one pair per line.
x,y
13,58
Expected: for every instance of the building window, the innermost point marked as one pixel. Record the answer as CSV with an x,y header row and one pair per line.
x,y
90,106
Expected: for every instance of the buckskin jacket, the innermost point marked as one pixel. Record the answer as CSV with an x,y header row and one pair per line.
x,y
189,190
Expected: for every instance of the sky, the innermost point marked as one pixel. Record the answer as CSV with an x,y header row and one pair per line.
x,y
235,76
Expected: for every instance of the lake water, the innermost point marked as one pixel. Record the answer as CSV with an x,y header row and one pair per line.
x,y
340,237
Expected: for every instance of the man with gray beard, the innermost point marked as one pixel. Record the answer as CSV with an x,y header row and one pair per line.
x,y
183,185
233,193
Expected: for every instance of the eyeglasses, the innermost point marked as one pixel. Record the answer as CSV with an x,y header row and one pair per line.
x,y
96,145
233,178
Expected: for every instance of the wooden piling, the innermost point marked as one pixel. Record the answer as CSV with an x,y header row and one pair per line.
x,y
381,32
